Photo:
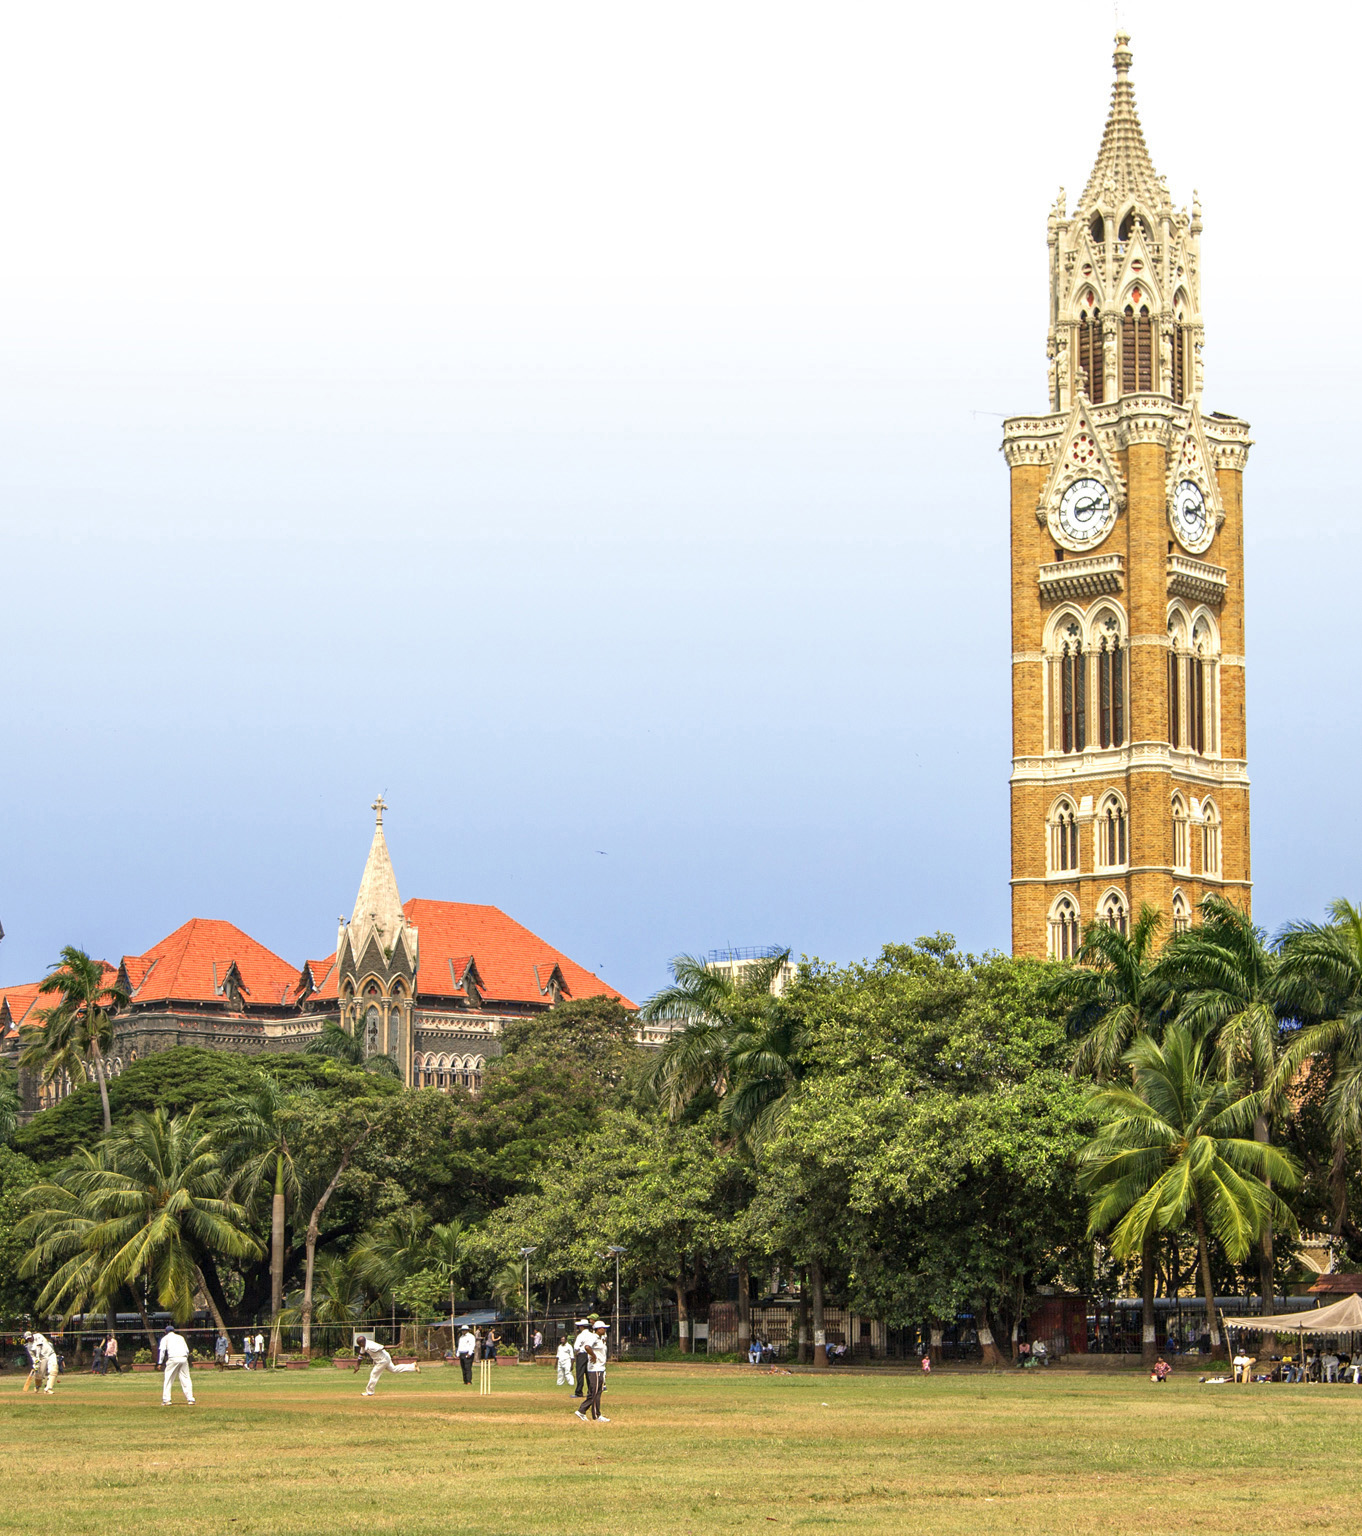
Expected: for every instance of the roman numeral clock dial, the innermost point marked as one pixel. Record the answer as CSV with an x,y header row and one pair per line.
x,y
1085,515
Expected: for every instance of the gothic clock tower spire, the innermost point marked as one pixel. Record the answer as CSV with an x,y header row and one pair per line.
x,y
1129,780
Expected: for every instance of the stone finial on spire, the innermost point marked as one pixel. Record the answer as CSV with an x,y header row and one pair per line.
x,y
378,902
379,806
1123,57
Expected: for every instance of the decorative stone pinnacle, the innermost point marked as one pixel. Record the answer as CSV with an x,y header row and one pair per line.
x,y
1122,57
379,806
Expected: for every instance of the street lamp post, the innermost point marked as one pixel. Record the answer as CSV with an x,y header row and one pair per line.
x,y
525,1254
616,1250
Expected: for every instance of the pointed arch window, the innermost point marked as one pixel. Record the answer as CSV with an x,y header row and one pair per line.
x,y
1182,917
1111,833
1073,691
1114,913
1179,381
1091,357
1210,840
1064,838
1064,935
1182,844
1137,349
1111,686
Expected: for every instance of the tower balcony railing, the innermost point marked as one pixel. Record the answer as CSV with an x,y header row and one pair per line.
x,y
1196,580
1087,576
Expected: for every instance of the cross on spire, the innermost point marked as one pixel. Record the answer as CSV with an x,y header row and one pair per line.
x,y
380,805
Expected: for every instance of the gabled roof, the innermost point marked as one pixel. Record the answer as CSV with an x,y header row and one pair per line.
x,y
19,1003
1123,162
317,978
511,964
192,965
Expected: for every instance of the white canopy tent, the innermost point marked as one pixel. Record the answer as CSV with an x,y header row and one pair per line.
x,y
1343,1316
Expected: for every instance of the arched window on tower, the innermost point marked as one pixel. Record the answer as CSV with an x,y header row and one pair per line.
x,y
1210,840
1064,935
1110,829
1091,358
1137,348
1063,837
1072,689
1111,682
1114,913
1182,846
1201,689
1098,229
1182,917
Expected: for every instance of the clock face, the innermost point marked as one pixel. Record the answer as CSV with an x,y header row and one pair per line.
x,y
1085,512
1191,522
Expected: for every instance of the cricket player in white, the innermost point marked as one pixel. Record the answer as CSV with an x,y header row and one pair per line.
x,y
581,1354
567,1368
383,1361
174,1356
595,1377
466,1349
44,1359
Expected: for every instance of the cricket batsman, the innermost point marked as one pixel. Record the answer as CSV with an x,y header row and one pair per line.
x,y
44,1359
383,1361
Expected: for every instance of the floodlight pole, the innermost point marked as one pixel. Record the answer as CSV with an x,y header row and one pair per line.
x,y
617,1251
525,1254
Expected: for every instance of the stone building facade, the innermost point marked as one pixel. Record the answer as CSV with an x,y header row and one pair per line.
x,y
1129,775
429,984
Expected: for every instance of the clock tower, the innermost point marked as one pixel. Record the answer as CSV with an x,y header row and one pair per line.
x,y
1129,780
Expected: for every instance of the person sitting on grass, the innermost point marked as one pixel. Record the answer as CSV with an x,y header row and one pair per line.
x,y
1162,1370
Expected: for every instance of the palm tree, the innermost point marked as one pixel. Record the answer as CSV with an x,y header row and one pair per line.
x,y
255,1135
736,1042
1321,983
1172,1148
1114,995
146,1208
337,1044
74,1034
1227,979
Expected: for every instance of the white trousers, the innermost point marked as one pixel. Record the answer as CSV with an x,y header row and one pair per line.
x,y
47,1373
567,1377
173,1369
385,1363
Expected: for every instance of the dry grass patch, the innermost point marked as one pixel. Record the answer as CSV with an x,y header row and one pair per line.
x,y
689,1451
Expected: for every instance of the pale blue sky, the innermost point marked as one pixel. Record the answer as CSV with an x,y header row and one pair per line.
x,y
587,434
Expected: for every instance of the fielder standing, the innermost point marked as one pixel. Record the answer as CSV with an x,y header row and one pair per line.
x,y
466,1349
174,1356
581,1353
44,1359
383,1361
567,1365
595,1375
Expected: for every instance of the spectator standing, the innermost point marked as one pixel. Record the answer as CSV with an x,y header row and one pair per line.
x,y
221,1349
538,1340
111,1354
248,1352
260,1351
467,1348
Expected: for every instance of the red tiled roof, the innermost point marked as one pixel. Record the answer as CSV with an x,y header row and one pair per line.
x,y
1337,1285
191,965
19,1003
513,964
322,976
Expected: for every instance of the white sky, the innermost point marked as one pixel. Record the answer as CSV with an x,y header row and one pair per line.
x,y
607,396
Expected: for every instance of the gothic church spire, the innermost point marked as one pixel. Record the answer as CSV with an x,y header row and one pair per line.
x,y
1124,172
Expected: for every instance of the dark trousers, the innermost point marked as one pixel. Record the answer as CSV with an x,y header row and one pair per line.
x,y
466,1364
112,1361
595,1386
579,1367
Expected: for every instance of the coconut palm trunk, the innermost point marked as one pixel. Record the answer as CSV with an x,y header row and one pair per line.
x,y
102,1079
314,1222
682,1316
1207,1284
1149,1348
277,1254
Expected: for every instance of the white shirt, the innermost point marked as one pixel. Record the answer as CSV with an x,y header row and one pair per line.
x,y
39,1349
584,1340
260,1343
596,1362
174,1350
565,1353
374,1349
467,1344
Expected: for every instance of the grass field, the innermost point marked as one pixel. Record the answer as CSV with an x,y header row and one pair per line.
x,y
689,1450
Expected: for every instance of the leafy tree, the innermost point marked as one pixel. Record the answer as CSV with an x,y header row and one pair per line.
x,y
149,1207
17,1294
1321,982
77,1030
1115,993
1226,978
337,1044
1172,1149
9,1102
